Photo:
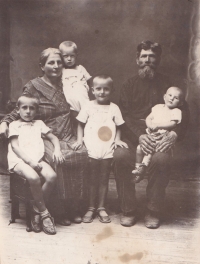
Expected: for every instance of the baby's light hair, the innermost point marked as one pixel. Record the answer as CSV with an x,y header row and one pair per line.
x,y
104,77
34,99
68,44
182,97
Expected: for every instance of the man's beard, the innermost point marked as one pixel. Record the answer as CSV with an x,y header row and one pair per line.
x,y
146,72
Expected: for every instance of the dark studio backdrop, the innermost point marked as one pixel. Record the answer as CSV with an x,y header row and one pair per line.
x,y
107,33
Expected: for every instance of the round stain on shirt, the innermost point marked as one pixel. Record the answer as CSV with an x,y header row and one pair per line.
x,y
105,133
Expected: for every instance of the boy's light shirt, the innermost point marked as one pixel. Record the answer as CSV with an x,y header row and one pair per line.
x,y
29,139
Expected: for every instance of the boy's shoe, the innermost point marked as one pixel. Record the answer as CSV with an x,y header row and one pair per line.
x,y
103,218
128,219
48,228
152,219
89,218
139,173
35,222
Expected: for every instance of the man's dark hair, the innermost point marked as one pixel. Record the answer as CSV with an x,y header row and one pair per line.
x,y
149,45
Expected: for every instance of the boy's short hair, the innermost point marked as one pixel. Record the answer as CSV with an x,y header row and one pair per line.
x,y
19,101
68,44
104,77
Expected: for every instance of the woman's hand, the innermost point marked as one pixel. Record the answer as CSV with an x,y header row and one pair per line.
x,y
168,141
3,130
120,143
77,145
147,144
58,157
35,165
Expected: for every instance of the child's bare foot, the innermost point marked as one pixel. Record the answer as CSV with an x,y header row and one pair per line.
x,y
139,173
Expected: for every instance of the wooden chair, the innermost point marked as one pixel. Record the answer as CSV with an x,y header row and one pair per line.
x,y
20,191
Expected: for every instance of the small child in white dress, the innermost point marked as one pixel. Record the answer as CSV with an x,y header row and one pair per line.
x,y
101,134
163,118
25,157
74,77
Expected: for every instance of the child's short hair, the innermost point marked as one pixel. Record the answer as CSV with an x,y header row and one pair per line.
x,y
35,100
104,77
182,96
68,44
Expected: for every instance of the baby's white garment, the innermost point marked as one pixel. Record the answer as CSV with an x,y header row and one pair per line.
x,y
100,128
162,114
75,86
29,139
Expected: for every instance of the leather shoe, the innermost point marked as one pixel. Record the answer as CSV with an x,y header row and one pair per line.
x,y
76,218
64,221
128,219
152,219
35,222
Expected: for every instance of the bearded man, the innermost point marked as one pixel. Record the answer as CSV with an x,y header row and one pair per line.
x,y
138,95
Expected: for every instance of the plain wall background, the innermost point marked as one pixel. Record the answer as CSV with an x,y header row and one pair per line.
x,y
107,33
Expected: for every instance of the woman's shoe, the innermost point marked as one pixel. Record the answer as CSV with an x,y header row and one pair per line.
x,y
76,218
89,218
64,221
35,222
49,228
103,218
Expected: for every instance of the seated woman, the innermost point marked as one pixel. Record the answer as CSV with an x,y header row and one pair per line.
x,y
55,112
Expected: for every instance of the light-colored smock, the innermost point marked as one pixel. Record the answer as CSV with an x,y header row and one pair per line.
x,y
162,114
100,128
75,86
29,139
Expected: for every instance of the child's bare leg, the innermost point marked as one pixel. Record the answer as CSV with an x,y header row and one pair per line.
x,y
139,155
50,178
103,189
140,167
35,185
34,181
103,181
93,188
93,184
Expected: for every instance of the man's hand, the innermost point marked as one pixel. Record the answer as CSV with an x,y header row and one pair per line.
x,y
3,130
147,144
167,142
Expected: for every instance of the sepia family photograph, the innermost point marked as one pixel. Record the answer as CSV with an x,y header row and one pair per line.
x,y
99,131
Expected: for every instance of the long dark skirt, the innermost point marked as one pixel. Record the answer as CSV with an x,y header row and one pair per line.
x,y
71,175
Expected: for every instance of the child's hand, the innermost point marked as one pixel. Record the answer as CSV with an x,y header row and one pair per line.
x,y
58,157
120,143
77,145
35,165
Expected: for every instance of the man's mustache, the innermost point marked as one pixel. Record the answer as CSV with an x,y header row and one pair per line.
x,y
152,66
